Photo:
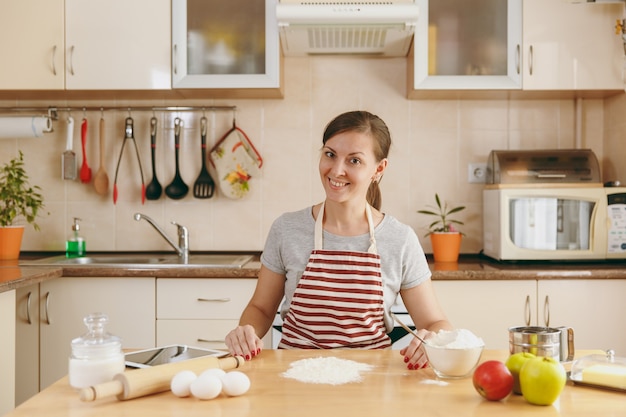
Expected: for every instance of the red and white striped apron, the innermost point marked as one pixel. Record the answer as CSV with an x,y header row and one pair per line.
x,y
338,302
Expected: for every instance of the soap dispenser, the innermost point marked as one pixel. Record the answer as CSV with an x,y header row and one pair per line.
x,y
75,244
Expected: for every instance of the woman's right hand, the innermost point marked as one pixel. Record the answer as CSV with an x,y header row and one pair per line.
x,y
243,341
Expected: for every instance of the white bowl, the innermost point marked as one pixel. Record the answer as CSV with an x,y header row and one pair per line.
x,y
451,362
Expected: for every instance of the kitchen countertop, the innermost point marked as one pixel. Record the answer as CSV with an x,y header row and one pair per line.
x,y
469,267
389,389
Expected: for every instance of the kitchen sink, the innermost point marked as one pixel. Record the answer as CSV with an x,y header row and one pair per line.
x,y
147,261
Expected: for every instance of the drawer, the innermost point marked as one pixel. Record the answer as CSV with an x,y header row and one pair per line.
x,y
208,334
219,298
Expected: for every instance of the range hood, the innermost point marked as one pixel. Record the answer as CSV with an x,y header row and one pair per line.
x,y
383,28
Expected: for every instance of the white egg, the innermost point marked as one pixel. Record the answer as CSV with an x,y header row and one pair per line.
x,y
235,383
214,371
181,382
206,387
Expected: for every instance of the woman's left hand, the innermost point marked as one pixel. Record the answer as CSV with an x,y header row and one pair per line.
x,y
414,354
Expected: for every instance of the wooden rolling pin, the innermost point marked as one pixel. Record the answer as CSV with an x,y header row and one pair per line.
x,y
146,381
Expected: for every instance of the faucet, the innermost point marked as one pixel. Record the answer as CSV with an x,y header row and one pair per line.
x,y
183,237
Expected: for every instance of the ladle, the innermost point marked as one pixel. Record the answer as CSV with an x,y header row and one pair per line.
x,y
407,328
154,189
101,179
177,189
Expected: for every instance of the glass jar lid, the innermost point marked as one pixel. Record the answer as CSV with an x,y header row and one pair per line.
x,y
97,342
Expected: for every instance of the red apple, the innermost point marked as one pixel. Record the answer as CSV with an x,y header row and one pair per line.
x,y
493,380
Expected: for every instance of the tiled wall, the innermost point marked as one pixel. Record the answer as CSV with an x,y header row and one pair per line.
x,y
434,140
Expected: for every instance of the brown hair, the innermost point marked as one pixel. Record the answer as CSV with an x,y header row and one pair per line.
x,y
368,123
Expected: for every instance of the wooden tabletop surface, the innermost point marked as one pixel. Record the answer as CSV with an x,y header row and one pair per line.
x,y
387,390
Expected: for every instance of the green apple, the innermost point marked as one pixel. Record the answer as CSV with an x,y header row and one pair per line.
x,y
514,363
542,379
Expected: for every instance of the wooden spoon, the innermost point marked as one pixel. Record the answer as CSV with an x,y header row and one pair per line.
x,y
101,179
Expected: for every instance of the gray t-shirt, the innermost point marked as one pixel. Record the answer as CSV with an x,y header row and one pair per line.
x,y
291,240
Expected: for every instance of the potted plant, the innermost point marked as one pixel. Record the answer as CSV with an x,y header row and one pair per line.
x,y
444,237
19,202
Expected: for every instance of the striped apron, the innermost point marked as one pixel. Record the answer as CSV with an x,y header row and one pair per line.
x,y
338,302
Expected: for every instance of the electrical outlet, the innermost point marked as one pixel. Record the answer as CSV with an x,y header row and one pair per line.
x,y
477,173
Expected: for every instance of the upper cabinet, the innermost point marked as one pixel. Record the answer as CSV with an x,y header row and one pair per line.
x,y
515,45
117,44
85,45
572,46
225,45
32,46
467,45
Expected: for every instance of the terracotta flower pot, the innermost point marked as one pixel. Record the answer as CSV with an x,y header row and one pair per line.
x,y
10,242
446,246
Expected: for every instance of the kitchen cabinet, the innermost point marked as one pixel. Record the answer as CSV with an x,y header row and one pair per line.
x,y
529,45
594,308
62,304
7,347
467,45
200,312
32,47
79,45
571,46
230,44
27,335
117,44
489,308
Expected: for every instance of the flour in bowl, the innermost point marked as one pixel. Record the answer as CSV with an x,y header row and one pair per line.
x,y
456,339
330,370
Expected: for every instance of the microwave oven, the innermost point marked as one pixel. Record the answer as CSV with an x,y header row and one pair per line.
x,y
525,223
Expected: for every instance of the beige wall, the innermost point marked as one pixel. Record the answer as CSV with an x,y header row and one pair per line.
x,y
434,140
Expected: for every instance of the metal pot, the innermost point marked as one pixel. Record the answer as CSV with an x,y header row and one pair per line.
x,y
557,343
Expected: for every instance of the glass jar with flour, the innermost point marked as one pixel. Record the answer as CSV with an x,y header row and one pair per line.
x,y
97,355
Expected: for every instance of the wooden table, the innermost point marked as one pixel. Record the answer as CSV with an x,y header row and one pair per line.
x,y
388,390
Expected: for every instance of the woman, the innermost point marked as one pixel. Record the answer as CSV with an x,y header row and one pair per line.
x,y
341,264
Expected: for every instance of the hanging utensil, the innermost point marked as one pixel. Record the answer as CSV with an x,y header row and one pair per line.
x,y
154,189
236,161
85,171
177,189
68,159
204,185
129,135
101,179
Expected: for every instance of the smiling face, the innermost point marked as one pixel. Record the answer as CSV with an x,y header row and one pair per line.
x,y
348,165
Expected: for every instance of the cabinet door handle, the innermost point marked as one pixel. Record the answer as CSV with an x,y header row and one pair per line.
x,y
46,307
215,300
54,54
527,310
28,319
530,60
517,59
546,311
72,60
175,59
210,340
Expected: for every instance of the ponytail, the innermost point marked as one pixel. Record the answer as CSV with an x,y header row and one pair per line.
x,y
374,196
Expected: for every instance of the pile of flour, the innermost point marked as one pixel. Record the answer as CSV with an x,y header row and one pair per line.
x,y
456,339
329,370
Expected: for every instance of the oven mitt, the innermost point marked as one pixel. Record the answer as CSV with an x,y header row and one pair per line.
x,y
236,161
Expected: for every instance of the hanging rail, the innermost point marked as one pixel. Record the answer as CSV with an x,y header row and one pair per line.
x,y
54,111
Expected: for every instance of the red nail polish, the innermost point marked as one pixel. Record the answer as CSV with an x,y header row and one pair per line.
x,y
247,357
258,351
410,366
406,359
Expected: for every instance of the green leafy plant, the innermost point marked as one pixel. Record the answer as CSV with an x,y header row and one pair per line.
x,y
442,211
17,198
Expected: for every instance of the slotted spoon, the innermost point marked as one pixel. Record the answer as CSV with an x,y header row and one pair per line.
x,y
204,187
